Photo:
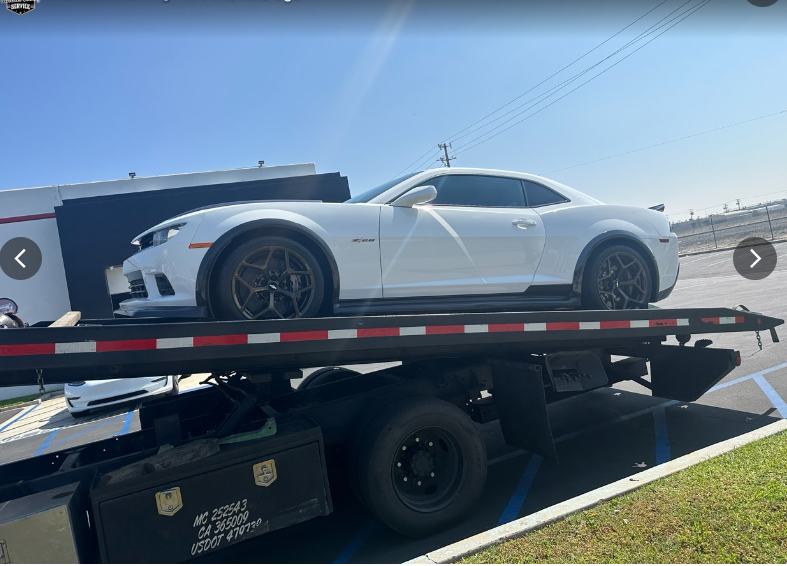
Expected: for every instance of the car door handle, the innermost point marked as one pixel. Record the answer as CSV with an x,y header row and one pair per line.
x,y
524,224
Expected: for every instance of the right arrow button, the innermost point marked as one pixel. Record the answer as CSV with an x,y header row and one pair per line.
x,y
764,258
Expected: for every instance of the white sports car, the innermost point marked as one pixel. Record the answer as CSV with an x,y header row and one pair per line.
x,y
450,240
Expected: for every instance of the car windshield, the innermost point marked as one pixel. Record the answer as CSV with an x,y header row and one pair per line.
x,y
366,196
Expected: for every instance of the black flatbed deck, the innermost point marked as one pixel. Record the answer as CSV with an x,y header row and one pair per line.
x,y
107,349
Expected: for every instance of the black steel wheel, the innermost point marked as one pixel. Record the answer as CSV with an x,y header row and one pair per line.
x,y
428,469
420,465
617,278
269,278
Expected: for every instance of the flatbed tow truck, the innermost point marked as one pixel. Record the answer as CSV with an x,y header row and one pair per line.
x,y
215,466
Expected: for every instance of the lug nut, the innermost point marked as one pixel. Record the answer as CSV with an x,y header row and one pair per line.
x,y
405,478
419,483
404,447
417,439
398,464
432,474
431,444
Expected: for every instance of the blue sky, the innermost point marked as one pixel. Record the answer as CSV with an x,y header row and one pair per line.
x,y
94,90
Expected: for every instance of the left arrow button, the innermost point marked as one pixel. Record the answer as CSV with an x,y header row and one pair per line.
x,y
19,261
20,258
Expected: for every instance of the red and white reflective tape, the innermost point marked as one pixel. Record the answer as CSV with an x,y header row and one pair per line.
x,y
350,333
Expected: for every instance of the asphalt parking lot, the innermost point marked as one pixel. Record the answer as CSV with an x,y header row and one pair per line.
x,y
602,436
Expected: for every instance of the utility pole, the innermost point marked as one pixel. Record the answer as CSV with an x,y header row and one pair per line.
x,y
446,160
738,202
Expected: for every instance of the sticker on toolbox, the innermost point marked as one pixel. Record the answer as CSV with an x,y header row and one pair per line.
x,y
222,525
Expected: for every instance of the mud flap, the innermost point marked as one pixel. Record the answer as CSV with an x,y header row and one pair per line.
x,y
686,374
519,396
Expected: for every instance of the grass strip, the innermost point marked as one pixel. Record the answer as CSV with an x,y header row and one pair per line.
x,y
17,400
732,508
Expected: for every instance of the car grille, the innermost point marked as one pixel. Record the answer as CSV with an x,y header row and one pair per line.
x,y
116,398
164,286
137,285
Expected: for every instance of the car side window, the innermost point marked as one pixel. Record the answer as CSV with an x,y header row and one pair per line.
x,y
539,195
477,190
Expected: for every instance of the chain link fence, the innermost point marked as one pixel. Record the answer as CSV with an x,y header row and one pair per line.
x,y
721,230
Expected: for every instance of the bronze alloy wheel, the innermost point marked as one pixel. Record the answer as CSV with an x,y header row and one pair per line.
x,y
622,281
273,282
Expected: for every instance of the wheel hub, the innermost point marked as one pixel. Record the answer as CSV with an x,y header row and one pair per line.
x,y
622,281
273,282
422,463
426,469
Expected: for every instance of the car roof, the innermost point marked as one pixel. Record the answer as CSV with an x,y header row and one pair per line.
x,y
574,195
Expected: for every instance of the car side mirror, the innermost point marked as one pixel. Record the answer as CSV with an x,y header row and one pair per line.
x,y
7,306
419,195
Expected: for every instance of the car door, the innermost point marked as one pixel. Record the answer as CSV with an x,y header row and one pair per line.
x,y
476,237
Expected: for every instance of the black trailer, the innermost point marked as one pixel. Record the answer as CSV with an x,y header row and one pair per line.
x,y
219,465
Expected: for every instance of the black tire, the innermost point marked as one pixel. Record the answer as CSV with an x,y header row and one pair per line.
x,y
326,375
603,287
287,281
452,469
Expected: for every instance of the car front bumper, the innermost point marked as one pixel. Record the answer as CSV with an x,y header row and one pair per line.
x,y
97,395
162,280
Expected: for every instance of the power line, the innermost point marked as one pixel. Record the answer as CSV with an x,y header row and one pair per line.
x,y
545,95
666,142
407,169
467,146
421,158
724,203
453,137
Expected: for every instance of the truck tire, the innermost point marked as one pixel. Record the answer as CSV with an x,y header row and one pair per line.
x,y
268,277
421,465
326,375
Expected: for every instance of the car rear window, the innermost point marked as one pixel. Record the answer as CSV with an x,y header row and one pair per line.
x,y
539,195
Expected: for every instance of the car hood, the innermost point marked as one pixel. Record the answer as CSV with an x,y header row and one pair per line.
x,y
198,212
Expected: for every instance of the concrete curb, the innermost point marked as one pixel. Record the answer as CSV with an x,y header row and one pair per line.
x,y
473,544
50,395
725,249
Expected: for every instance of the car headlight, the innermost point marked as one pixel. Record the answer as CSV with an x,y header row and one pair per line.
x,y
158,237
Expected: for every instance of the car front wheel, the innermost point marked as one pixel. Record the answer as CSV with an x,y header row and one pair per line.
x,y
269,277
617,278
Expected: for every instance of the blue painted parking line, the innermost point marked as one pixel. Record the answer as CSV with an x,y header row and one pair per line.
x,y
511,512
773,397
45,443
616,420
356,543
99,425
127,421
662,436
19,416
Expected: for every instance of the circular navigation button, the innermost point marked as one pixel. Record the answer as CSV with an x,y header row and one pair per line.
x,y
20,258
754,258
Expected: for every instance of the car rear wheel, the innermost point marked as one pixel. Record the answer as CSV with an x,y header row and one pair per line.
x,y
269,278
617,278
